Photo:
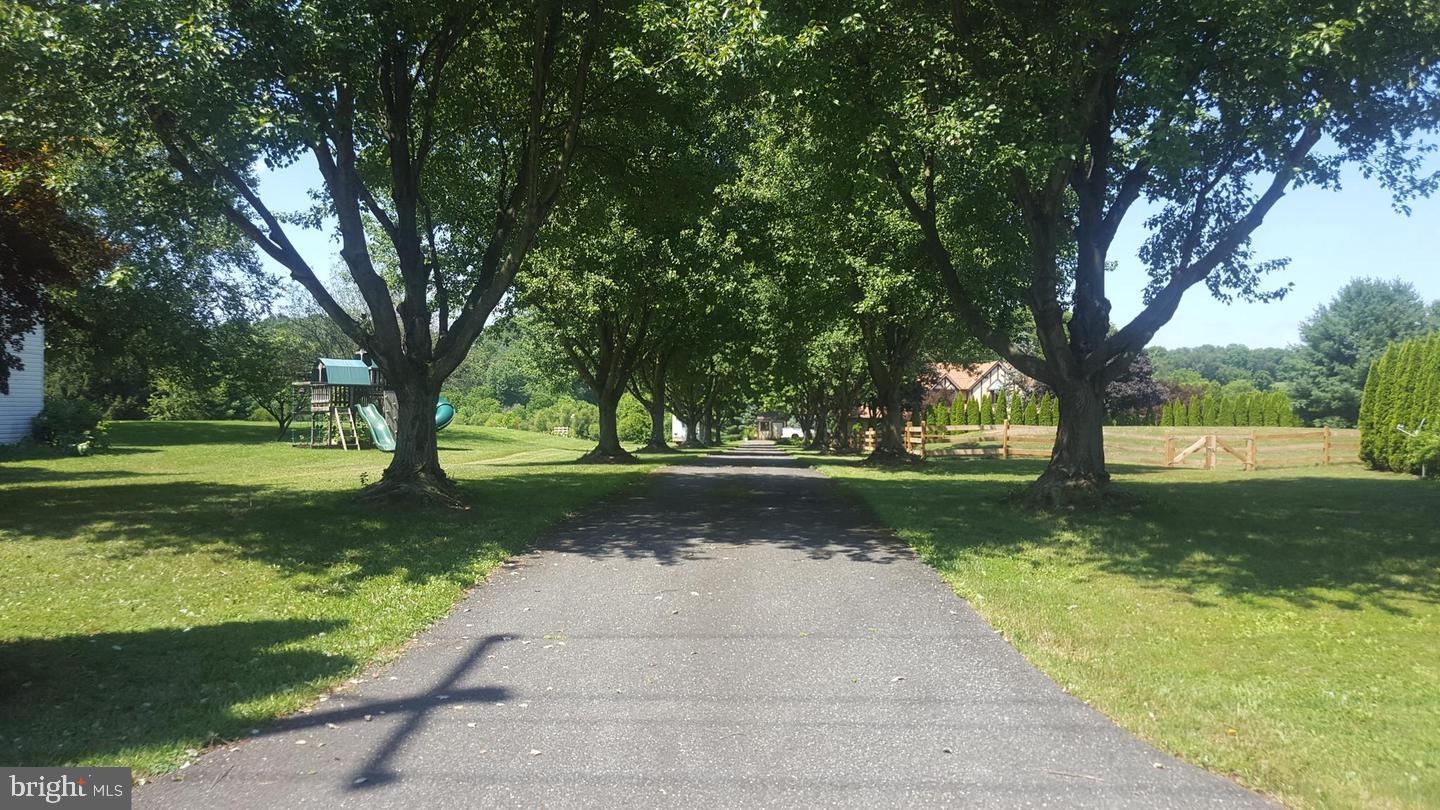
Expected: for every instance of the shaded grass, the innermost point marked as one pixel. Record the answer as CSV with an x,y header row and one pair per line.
x,y
204,579
1280,626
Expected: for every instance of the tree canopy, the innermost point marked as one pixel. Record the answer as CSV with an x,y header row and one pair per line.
x,y
712,206
1345,337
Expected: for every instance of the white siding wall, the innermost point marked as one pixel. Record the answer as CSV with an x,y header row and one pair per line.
x,y
27,390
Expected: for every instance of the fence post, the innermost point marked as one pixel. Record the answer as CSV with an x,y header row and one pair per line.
x,y
1169,450
1250,454
1326,459
1005,441
1209,452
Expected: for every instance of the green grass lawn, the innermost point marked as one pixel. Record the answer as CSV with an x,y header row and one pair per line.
x,y
200,579
1280,626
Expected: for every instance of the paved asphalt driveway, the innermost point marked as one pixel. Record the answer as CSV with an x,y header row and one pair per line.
x,y
736,633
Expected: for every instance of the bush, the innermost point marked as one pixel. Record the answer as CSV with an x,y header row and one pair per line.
x,y
472,408
1422,452
632,420
70,424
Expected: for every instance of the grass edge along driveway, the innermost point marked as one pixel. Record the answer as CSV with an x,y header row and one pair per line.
x,y
1280,627
200,580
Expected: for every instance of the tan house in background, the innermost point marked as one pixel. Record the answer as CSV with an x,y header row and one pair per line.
x,y
947,383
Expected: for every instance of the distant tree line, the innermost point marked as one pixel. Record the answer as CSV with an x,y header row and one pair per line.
x,y
1403,389
1325,374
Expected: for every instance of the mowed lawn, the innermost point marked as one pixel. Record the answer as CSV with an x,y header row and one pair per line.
x,y
200,579
1281,626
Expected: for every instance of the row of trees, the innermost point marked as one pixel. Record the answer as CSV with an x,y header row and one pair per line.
x,y
1017,138
1400,416
1259,409
709,204
1039,409
1218,409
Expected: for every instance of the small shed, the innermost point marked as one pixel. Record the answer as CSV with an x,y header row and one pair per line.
x,y
770,425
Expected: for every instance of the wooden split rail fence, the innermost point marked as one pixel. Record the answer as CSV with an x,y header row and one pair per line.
x,y
914,440
1191,448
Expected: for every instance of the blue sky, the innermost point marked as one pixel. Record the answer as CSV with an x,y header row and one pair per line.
x,y
1329,236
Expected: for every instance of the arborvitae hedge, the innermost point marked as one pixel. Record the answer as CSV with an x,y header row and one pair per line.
x,y
936,414
1402,387
1258,409
987,412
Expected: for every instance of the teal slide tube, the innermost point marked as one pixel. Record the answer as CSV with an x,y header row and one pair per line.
x,y
444,414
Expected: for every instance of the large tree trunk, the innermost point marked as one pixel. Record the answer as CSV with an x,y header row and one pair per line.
x,y
807,427
649,387
692,432
608,448
844,435
890,429
711,434
414,472
815,416
1076,475
659,441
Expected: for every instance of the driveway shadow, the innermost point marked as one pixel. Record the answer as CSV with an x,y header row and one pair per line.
x,y
743,496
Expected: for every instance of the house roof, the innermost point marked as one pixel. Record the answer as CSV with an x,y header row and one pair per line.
x,y
345,372
963,378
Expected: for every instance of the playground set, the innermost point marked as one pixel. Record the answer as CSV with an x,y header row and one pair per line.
x,y
338,390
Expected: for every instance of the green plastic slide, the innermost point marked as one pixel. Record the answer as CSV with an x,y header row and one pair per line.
x,y
380,429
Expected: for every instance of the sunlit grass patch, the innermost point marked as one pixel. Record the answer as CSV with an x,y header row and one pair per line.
x,y
202,579
1280,626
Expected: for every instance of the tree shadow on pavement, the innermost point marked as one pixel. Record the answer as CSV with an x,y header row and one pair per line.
x,y
742,497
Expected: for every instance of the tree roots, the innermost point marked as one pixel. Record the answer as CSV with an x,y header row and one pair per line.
x,y
424,488
890,457
602,456
1061,490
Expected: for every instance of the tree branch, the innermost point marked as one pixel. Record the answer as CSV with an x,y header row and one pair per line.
x,y
496,275
960,302
276,244
1161,308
